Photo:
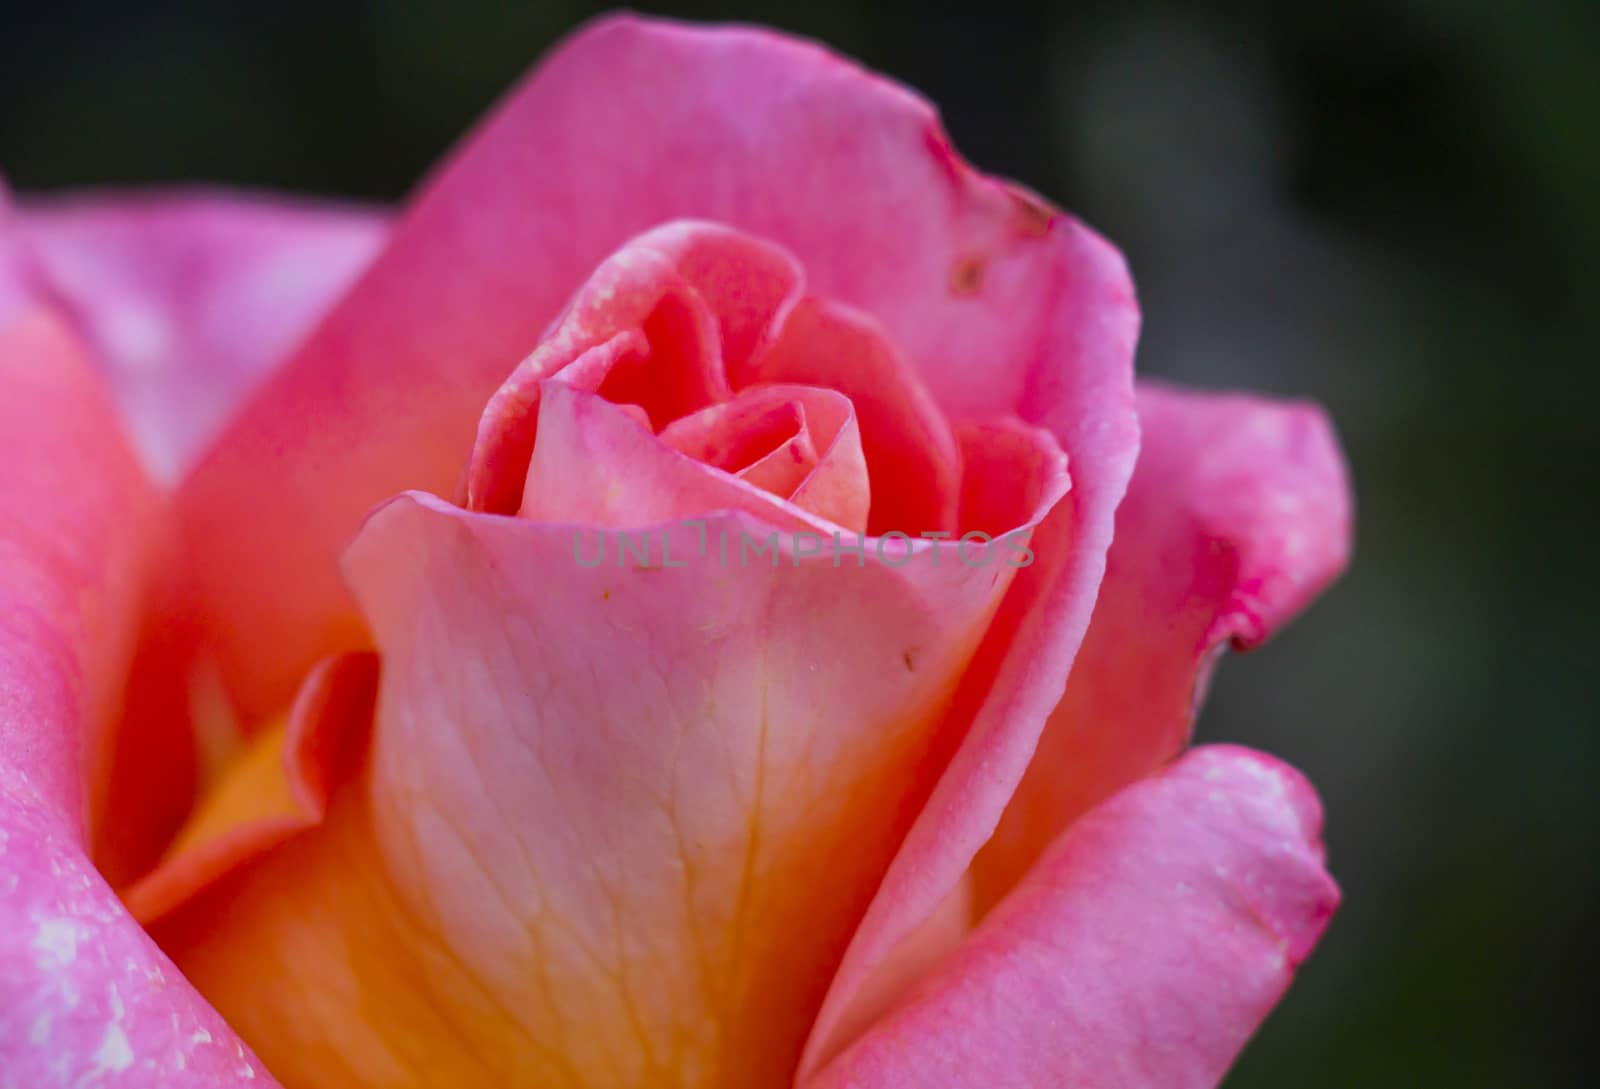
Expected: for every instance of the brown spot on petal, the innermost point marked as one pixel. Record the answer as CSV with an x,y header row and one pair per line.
x,y
1034,216
966,275
909,657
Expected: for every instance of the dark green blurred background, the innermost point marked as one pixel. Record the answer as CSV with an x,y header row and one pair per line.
x,y
1392,208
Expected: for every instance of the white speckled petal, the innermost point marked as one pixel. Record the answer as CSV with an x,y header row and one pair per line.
x,y
86,998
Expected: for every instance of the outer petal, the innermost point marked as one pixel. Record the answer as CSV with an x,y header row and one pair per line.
x,y
188,297
19,286
76,521
1238,514
1141,952
85,996
630,124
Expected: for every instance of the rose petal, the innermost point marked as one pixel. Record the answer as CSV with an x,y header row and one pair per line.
x,y
85,996
617,816
1078,389
595,467
816,462
764,440
911,960
1238,514
275,790
911,456
1005,464
78,521
139,765
188,297
630,124
1140,952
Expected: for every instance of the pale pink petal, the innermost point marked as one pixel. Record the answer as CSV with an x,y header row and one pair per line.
x,y
85,996
630,124
190,297
711,812
1141,951
1238,514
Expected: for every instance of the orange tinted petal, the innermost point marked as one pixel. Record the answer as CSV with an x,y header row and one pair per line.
x,y
618,824
277,787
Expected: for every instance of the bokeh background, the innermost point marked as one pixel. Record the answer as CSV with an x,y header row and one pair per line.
x,y
1393,208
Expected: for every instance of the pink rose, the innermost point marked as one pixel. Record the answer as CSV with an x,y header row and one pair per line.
x,y
710,698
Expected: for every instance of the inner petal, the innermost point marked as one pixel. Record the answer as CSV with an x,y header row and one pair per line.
x,y
913,459
681,369
742,435
687,314
797,442
594,465
637,332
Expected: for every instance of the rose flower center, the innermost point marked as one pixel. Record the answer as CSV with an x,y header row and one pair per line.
x,y
707,339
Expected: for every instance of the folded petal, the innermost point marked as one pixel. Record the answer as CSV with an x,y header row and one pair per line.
x,y
631,123
1078,390
911,456
85,996
681,317
1238,515
1140,952
277,788
796,443
189,297
643,330
619,820
595,467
